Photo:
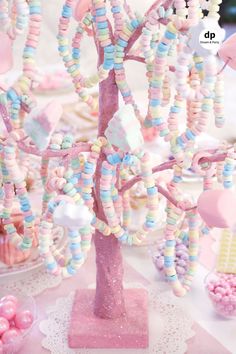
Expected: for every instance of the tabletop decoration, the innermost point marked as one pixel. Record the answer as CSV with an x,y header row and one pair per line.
x,y
86,184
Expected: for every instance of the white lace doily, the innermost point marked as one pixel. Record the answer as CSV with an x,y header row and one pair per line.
x,y
169,326
33,283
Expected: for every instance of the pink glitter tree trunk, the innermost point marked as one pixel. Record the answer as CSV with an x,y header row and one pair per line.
x,y
109,298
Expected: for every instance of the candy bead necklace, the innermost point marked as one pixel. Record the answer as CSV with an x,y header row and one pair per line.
x,y
63,182
228,171
107,180
15,99
124,31
71,60
155,117
16,95
173,216
14,178
220,165
102,74
15,22
118,16
55,261
219,102
149,54
181,256
213,8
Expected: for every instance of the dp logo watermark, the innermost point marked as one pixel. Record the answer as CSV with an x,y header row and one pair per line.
x,y
210,38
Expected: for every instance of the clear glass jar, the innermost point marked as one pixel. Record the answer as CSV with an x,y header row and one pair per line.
x,y
25,302
221,290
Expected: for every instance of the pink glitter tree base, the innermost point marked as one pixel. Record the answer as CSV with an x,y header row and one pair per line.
x,y
128,331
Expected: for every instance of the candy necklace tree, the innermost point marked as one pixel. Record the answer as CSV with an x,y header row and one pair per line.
x,y
86,189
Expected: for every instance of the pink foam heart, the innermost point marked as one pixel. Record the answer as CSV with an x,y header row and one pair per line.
x,y
6,57
81,8
218,208
227,51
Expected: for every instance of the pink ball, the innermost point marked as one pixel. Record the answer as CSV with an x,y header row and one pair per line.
x,y
9,298
11,336
4,325
221,292
23,319
8,309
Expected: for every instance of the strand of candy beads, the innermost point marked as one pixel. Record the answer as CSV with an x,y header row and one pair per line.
x,y
219,102
71,59
16,94
107,186
173,215
214,8
14,177
15,22
228,171
64,183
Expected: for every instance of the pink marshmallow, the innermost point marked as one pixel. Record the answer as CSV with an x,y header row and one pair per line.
x,y
218,208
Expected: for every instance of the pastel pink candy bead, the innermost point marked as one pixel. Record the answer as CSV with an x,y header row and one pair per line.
x,y
10,336
4,325
218,208
23,319
8,309
227,51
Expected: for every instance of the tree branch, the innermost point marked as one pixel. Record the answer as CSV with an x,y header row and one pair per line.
x,y
135,58
169,165
142,60
80,147
164,166
173,201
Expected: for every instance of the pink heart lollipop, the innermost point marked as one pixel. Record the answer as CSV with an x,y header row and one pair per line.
x,y
6,58
81,8
218,208
227,51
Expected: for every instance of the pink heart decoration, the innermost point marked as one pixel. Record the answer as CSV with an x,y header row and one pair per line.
x,y
218,208
227,51
6,57
81,8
